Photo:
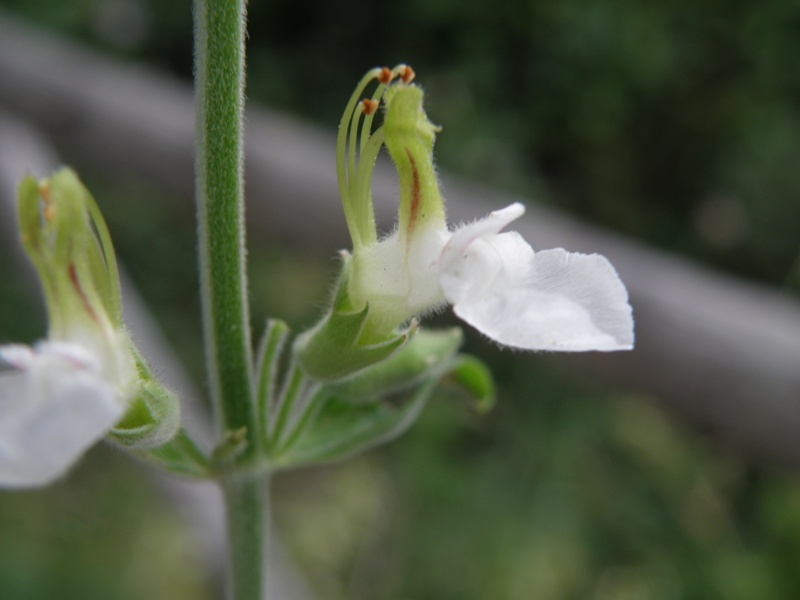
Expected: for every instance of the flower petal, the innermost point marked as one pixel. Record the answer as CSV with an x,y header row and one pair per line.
x,y
490,262
18,356
399,279
551,300
463,237
52,411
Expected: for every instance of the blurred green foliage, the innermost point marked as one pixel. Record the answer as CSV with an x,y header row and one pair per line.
x,y
677,122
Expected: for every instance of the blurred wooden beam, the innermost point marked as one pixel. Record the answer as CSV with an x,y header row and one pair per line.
x,y
718,349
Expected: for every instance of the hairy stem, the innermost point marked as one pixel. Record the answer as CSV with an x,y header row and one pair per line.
x,y
247,510
219,49
219,72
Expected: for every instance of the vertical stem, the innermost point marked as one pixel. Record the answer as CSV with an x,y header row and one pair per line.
x,y
219,66
219,73
247,508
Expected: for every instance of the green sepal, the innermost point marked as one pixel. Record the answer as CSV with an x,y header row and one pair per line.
x,y
154,412
342,344
409,365
153,418
180,455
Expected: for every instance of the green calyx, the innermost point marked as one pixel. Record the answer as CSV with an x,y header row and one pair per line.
x,y
154,413
411,364
67,239
344,342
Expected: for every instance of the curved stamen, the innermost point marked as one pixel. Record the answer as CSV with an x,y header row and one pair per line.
x,y
353,138
361,187
341,143
357,143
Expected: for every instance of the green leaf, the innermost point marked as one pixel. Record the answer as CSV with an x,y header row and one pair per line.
x,y
153,418
426,357
268,368
343,429
383,401
180,455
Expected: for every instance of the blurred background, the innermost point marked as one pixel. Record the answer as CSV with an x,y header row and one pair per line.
x,y
675,124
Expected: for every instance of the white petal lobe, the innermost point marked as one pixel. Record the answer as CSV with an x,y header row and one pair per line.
x,y
551,300
463,237
50,413
590,281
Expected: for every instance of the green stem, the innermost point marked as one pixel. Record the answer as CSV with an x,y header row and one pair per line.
x,y
247,510
219,47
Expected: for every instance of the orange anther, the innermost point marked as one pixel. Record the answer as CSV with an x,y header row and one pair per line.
x,y
407,74
369,106
49,212
385,77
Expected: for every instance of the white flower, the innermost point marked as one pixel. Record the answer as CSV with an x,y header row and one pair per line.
x,y
547,300
55,402
86,380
